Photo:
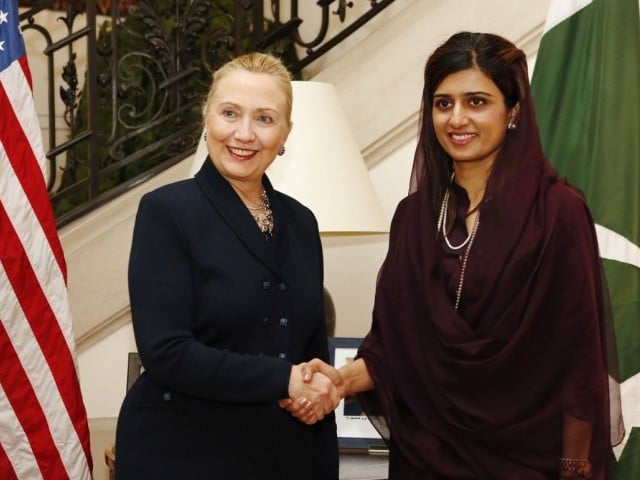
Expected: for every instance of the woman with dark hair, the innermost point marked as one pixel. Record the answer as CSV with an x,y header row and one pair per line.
x,y
487,355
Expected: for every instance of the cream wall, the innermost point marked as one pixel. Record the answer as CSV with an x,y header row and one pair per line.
x,y
352,262
379,79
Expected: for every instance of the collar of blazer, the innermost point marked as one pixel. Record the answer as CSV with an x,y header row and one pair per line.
x,y
228,204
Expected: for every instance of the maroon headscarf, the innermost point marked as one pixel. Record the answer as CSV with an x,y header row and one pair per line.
x,y
482,392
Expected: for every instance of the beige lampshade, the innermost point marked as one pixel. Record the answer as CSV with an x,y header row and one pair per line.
x,y
322,167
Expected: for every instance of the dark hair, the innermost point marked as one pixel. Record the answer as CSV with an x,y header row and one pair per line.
x,y
497,58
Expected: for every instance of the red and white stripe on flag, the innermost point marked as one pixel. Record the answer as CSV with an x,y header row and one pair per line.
x,y
43,423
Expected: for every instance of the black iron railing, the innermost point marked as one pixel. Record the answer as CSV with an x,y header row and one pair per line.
x,y
131,107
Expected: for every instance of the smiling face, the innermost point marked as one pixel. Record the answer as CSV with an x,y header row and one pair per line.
x,y
247,123
470,117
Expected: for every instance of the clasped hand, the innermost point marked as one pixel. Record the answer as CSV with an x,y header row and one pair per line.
x,y
315,389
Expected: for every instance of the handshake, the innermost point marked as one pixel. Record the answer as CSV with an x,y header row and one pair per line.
x,y
315,389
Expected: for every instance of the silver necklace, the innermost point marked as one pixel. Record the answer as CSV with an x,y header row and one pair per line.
x,y
463,269
262,214
442,222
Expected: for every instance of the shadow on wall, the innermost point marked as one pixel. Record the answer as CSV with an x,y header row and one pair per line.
x,y
329,313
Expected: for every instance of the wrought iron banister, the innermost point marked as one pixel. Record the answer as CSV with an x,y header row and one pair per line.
x,y
132,107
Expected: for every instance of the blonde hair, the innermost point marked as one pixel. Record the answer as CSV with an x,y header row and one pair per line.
x,y
255,62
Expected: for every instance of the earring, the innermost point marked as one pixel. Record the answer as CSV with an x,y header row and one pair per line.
x,y
512,125
281,151
205,136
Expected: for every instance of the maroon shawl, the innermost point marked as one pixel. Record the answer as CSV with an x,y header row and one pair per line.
x,y
482,393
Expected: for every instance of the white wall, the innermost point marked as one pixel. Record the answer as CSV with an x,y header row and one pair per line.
x,y
352,262
103,373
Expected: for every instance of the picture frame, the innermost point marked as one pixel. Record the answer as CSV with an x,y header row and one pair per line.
x,y
356,434
134,368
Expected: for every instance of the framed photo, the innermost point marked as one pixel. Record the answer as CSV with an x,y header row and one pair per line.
x,y
134,368
355,431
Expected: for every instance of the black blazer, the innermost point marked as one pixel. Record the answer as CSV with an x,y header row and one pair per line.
x,y
220,314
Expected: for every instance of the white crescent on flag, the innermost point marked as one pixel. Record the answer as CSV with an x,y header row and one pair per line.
x,y
616,247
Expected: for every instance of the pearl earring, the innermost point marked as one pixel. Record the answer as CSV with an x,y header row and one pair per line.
x,y
512,125
281,151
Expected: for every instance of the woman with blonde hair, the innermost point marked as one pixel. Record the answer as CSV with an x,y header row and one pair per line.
x,y
226,288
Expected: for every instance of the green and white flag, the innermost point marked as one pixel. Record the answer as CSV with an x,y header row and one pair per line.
x,y
586,87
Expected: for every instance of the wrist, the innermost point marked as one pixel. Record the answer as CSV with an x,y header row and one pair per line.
x,y
295,379
346,389
355,378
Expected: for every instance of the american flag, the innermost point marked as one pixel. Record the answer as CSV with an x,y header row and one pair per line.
x,y
43,422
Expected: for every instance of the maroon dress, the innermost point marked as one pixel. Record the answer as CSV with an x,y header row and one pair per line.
x,y
482,392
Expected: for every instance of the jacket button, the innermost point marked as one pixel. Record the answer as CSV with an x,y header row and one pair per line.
x,y
283,286
266,284
282,356
265,320
284,322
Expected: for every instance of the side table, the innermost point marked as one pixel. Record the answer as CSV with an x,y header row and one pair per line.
x,y
363,466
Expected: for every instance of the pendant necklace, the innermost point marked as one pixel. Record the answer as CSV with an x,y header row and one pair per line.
x,y
262,214
442,227
463,269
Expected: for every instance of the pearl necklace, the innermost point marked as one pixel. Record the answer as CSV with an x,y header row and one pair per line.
x,y
262,214
442,222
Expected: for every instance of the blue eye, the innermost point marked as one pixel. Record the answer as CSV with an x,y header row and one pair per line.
x,y
228,113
